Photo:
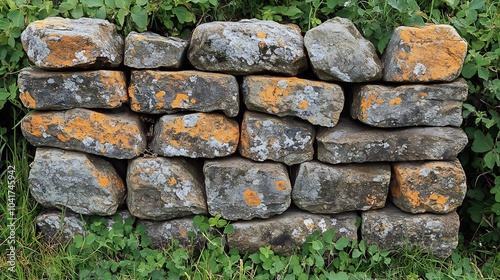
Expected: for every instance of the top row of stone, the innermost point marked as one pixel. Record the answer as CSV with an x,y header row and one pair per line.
x,y
337,51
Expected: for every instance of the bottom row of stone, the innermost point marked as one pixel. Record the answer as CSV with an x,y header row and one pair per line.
x,y
387,228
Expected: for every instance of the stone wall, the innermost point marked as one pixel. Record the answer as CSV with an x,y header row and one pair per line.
x,y
280,133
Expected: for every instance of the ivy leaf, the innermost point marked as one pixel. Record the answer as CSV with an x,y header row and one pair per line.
x,y
17,18
94,3
140,17
482,143
476,4
490,159
293,12
341,243
469,70
77,12
483,73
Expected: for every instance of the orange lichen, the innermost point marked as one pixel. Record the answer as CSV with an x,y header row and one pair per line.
x,y
395,101
440,199
172,181
27,100
420,95
367,102
251,198
261,35
303,105
66,49
180,98
281,185
273,90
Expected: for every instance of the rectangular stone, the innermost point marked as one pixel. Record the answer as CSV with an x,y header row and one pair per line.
x,y
351,142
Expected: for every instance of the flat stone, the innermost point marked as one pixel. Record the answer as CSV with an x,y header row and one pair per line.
x,y
247,46
83,183
287,232
434,186
265,137
150,50
319,103
197,135
328,189
390,228
58,228
72,43
241,189
160,188
44,90
410,105
431,53
114,135
338,52
163,233
351,142
169,92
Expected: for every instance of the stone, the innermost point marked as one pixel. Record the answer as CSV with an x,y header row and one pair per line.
x,y
197,135
241,189
150,50
164,234
328,189
50,90
338,52
319,103
59,228
264,137
248,46
351,142
430,53
164,188
410,105
169,92
287,232
113,135
57,43
433,186
83,183
389,228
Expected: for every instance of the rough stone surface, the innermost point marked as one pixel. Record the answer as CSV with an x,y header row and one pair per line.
x,y
338,52
163,233
114,135
319,103
198,135
435,186
287,232
83,183
80,43
428,53
43,90
57,228
150,50
169,92
328,189
160,188
246,47
350,142
390,228
265,137
410,105
239,188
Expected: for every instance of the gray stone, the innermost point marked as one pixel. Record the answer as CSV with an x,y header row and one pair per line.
x,y
150,50
114,135
84,183
319,103
264,137
160,188
43,90
239,188
60,228
73,43
338,52
390,228
350,142
287,232
246,47
164,234
410,105
169,92
328,189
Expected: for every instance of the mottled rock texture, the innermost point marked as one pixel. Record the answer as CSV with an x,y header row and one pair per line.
x,y
390,228
328,189
168,92
164,188
266,137
72,43
338,52
58,228
83,183
43,90
410,105
150,50
431,53
114,135
241,189
163,233
246,47
319,103
434,186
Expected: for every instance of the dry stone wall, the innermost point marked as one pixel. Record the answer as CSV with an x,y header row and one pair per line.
x,y
128,126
